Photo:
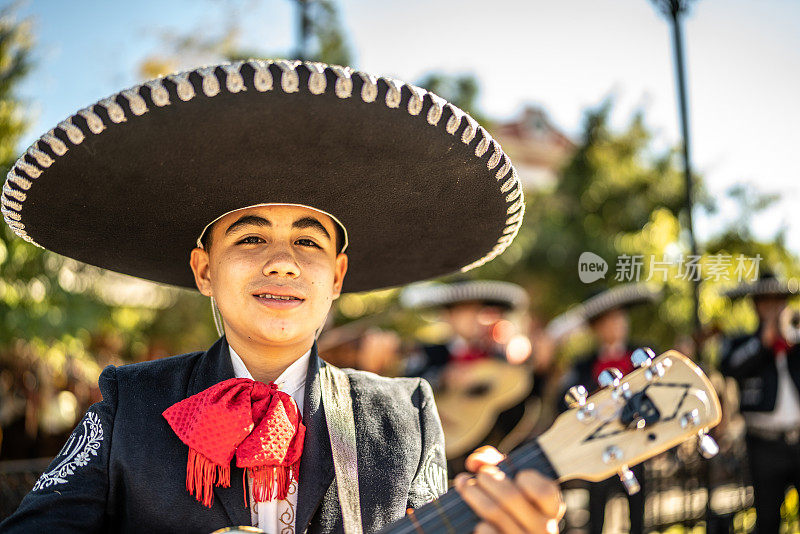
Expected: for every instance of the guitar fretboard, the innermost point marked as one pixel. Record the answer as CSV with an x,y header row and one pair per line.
x,y
451,515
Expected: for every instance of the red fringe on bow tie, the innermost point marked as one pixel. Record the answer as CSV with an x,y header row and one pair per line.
x,y
202,474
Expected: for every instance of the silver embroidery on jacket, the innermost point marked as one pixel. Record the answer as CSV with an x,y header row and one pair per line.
x,y
77,452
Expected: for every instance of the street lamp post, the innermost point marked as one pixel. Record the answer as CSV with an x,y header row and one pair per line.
x,y
673,9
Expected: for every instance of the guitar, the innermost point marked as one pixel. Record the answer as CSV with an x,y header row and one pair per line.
x,y
473,397
664,402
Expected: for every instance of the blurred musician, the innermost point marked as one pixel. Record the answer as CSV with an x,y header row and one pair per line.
x,y
480,390
766,365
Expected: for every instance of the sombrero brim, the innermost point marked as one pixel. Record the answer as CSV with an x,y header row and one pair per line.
x,y
618,297
769,287
491,292
128,183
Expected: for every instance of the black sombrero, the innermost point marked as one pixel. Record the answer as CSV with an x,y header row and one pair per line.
x,y
766,286
490,292
129,183
622,296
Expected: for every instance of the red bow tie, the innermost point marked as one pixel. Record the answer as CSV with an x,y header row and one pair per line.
x,y
252,420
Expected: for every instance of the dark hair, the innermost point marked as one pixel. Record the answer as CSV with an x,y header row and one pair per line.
x,y
205,240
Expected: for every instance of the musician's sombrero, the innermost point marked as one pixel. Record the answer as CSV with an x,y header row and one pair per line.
x,y
490,292
129,183
622,296
766,286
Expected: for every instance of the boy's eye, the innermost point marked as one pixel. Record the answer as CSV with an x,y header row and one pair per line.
x,y
306,243
250,240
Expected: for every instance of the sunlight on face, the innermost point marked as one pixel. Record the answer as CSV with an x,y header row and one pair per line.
x,y
274,273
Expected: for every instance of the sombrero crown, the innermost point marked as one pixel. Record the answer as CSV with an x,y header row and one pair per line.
x,y
129,183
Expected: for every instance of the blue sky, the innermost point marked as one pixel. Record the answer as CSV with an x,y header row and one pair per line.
x,y
743,60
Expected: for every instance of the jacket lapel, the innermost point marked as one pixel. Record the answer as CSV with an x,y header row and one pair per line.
x,y
316,465
214,367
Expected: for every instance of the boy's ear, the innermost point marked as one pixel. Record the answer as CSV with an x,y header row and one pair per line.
x,y
199,262
340,269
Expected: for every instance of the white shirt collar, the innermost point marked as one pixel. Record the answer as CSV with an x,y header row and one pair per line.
x,y
291,380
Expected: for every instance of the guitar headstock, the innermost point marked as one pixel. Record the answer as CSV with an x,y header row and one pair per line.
x,y
664,402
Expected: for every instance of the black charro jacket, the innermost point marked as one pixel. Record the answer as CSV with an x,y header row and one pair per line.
x,y
746,359
124,470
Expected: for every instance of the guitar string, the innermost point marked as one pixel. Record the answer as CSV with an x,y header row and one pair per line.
x,y
437,511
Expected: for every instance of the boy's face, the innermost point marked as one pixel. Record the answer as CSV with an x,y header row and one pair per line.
x,y
274,273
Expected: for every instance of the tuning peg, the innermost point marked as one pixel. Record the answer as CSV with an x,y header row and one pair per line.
x,y
642,357
657,370
691,418
628,480
609,377
575,396
708,447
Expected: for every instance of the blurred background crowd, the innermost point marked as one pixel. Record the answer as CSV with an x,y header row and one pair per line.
x,y
611,184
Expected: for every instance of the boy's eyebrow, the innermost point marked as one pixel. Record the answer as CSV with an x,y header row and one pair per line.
x,y
248,220
310,222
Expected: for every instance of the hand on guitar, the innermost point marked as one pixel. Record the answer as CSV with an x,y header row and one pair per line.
x,y
529,502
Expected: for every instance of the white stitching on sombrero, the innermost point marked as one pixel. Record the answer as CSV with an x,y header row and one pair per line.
x,y
41,158
290,81
369,91
494,159
508,184
469,132
515,206
316,79
262,78
16,179
93,120
437,107
114,110
484,143
393,94
210,82
158,93
73,132
11,204
27,168
13,193
503,170
514,218
415,102
233,77
344,81
58,146
8,214
135,101
454,122
183,86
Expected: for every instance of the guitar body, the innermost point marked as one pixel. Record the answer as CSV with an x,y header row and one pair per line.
x,y
472,396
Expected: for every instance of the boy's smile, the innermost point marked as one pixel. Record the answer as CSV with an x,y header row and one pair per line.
x,y
274,272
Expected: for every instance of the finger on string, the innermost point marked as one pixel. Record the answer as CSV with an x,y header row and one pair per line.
x,y
487,508
485,455
485,528
543,492
511,498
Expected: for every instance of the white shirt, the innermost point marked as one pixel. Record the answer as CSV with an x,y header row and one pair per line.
x,y
786,415
277,517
